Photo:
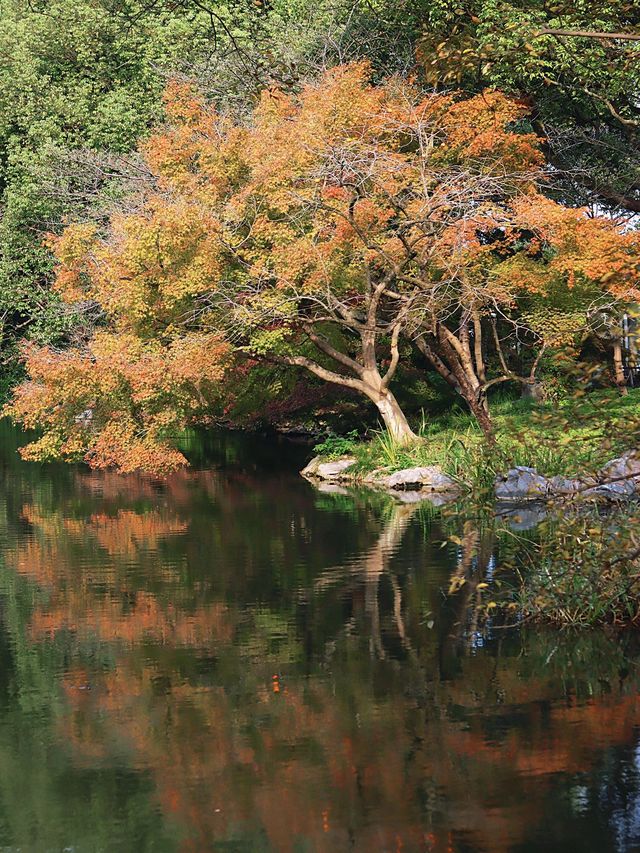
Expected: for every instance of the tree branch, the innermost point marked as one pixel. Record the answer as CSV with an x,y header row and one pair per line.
x,y
437,362
589,34
324,346
321,372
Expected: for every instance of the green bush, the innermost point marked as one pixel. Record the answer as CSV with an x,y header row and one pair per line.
x,y
334,446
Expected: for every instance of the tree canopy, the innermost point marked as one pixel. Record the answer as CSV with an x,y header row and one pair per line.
x,y
333,228
358,188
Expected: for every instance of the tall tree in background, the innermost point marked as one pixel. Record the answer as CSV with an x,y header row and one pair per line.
x,y
576,64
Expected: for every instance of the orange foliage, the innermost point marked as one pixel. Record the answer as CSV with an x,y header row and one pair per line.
x,y
593,248
252,233
114,402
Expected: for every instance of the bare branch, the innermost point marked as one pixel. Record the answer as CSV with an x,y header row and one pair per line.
x,y
589,34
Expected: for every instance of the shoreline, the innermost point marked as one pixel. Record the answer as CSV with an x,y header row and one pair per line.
x,y
618,480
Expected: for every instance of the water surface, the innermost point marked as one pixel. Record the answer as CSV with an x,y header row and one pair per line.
x,y
230,660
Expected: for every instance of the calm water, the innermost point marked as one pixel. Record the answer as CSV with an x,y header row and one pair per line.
x,y
232,661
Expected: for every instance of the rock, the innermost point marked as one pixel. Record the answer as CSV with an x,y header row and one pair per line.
x,y
533,391
615,491
618,480
559,485
328,471
521,484
430,478
625,469
379,477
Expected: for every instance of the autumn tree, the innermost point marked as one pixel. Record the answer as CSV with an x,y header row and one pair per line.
x,y
295,234
333,226
583,272
530,277
83,79
119,397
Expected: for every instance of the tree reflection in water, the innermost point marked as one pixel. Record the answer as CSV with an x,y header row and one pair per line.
x,y
230,660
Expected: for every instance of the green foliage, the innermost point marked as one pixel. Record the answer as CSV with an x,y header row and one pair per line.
x,y
583,570
334,446
572,436
581,90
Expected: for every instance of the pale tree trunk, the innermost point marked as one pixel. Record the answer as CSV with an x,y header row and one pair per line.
x,y
374,386
365,373
618,368
394,419
391,413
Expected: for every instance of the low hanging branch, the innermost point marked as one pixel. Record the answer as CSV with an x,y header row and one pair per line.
x,y
588,34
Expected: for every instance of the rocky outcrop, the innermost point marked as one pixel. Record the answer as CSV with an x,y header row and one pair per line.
x,y
427,477
521,483
621,476
619,479
410,481
329,472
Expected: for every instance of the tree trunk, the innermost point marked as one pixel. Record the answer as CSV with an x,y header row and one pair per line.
x,y
394,418
470,387
368,382
618,368
480,410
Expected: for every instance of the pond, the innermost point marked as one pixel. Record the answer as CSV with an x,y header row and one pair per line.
x,y
230,660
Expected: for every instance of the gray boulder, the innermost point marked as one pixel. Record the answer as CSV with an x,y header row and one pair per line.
x,y
430,478
559,485
614,491
521,484
625,469
618,480
330,472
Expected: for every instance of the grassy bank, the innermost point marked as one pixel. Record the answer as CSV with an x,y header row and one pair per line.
x,y
573,436
579,566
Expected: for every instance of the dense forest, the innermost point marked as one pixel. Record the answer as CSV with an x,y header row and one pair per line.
x,y
271,213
